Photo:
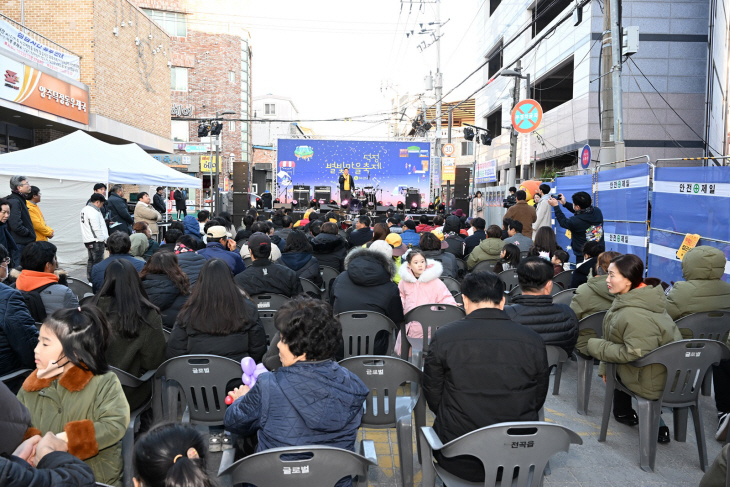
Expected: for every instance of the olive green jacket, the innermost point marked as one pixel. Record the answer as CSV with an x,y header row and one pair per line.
x,y
488,249
91,409
590,298
636,324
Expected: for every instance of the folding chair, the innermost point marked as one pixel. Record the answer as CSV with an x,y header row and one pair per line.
x,y
431,317
452,285
311,288
585,362
711,325
509,278
485,265
556,358
564,297
359,329
268,304
80,288
564,279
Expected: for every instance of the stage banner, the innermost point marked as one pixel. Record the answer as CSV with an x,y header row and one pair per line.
x,y
694,200
389,168
623,196
567,186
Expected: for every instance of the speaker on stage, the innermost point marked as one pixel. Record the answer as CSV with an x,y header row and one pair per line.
x,y
301,195
413,198
322,193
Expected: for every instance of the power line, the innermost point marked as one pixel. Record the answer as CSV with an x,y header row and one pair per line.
x,y
466,32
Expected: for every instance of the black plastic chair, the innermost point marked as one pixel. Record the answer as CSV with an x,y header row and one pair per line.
x,y
564,279
585,362
329,274
711,325
311,288
556,358
686,362
14,380
80,288
248,261
128,380
359,329
523,254
384,408
461,264
509,278
268,304
564,297
485,265
452,285
431,317
517,290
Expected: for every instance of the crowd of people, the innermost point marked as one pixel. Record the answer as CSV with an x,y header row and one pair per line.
x,y
191,293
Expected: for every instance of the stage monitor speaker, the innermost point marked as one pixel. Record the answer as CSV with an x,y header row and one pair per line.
x,y
282,206
383,209
461,203
322,193
413,198
461,182
301,195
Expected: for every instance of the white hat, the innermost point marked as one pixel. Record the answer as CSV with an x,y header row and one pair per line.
x,y
383,247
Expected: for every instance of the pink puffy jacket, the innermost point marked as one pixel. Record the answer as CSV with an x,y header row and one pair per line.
x,y
427,289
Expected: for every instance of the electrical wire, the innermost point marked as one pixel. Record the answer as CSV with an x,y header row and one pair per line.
x,y
465,32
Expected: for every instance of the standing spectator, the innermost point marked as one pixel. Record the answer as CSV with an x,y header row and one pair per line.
x,y
6,240
166,285
423,225
152,245
586,225
145,212
180,197
119,246
38,281
298,257
18,334
534,308
409,235
456,388
452,236
362,233
42,231
93,231
434,249
586,269
511,199
158,201
263,276
100,188
19,223
542,209
218,248
119,217
489,249
517,237
523,213
190,262
137,343
473,240
477,205
329,248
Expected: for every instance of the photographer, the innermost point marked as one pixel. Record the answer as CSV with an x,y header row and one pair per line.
x,y
510,200
586,225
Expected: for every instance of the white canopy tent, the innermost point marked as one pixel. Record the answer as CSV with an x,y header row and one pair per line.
x,y
65,171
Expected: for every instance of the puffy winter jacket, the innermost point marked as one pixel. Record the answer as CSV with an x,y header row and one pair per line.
x,y
307,403
448,262
636,324
249,341
304,264
6,240
14,422
119,213
703,288
330,250
56,469
215,250
263,276
18,334
165,295
158,203
488,249
585,222
591,297
456,245
555,323
410,237
19,223
581,273
192,227
97,272
191,263
54,297
472,241
360,237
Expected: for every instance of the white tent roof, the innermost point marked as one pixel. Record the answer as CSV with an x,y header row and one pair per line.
x,y
80,157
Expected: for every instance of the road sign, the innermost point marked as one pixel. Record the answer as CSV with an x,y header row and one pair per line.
x,y
526,116
448,149
448,169
585,157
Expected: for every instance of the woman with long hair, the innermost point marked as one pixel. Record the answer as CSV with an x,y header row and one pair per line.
x,y
544,241
167,286
380,232
298,256
137,343
218,319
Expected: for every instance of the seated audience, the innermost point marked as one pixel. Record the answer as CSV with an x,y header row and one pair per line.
x,y
636,324
137,343
218,319
534,308
505,228
267,229
89,411
310,400
510,258
264,276
420,284
398,249
203,218
587,269
452,236
118,245
716,475
394,225
435,249
560,258
166,285
38,281
423,225
218,247
227,220
193,228
463,397
408,234
171,237
472,241
489,249
362,233
190,262
516,237
380,232
298,257
545,243
138,245
438,226
329,248
152,245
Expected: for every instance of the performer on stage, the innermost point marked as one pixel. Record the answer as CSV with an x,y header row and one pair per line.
x,y
347,184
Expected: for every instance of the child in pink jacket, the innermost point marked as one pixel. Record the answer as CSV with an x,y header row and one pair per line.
x,y
420,284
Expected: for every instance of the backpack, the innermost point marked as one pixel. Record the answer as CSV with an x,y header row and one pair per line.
x,y
34,303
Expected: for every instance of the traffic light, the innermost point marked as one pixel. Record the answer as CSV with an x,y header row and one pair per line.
x,y
203,130
469,133
215,128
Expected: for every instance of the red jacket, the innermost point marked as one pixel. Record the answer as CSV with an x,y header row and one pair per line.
x,y
423,228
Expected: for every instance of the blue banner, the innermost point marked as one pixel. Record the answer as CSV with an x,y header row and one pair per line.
x,y
567,186
389,168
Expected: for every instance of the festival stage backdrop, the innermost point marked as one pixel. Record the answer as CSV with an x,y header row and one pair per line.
x,y
390,167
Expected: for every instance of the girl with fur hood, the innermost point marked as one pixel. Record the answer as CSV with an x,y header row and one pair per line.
x,y
420,284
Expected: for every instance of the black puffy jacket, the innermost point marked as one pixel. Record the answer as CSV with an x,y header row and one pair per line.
x,y
456,245
304,264
14,423
580,274
18,334
330,250
250,341
588,221
447,260
57,469
165,295
119,213
263,276
555,323
19,223
191,263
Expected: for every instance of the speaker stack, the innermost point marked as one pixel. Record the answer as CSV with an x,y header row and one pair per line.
x,y
301,195
413,195
461,189
323,193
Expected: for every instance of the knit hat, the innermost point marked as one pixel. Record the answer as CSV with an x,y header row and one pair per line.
x,y
382,247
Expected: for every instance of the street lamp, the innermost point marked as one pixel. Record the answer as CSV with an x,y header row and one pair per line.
x,y
215,193
515,73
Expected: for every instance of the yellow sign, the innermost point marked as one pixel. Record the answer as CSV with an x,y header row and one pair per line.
x,y
206,165
690,241
569,234
448,169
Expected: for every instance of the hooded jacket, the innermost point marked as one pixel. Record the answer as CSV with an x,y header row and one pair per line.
x,y
18,333
304,264
214,250
140,244
555,323
19,223
91,409
330,250
54,297
488,249
636,324
588,221
165,295
192,227
191,263
591,297
118,213
307,403
42,230
264,276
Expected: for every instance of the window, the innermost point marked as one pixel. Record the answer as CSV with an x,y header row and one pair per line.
x,y
555,88
231,125
542,15
493,4
494,123
244,126
495,59
269,109
178,78
180,131
467,148
174,23
231,76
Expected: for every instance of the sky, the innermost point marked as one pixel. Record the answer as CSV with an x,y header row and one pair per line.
x,y
343,58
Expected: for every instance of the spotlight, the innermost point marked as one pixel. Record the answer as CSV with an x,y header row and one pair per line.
x,y
294,202
203,130
371,205
442,208
259,204
431,207
380,203
414,205
215,128
400,206
469,133
277,201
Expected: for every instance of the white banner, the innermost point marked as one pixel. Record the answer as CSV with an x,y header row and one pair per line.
x,y
11,39
626,183
695,189
633,240
669,253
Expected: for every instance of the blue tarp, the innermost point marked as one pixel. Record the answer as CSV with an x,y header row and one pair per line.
x,y
567,186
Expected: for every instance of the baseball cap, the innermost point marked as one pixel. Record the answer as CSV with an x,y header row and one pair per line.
x,y
217,232
258,239
395,241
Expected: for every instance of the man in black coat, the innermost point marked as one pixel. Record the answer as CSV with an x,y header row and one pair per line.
x,y
482,370
472,241
180,202
362,233
158,201
585,225
119,217
264,276
534,308
19,223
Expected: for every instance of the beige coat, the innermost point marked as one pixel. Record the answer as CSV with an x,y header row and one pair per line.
x,y
147,214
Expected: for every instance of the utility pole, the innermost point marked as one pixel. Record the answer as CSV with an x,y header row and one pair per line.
x,y
438,92
612,145
511,176
618,111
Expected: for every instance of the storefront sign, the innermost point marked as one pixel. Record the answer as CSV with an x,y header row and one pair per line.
x,y
32,88
206,165
486,172
11,39
196,148
173,158
181,111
